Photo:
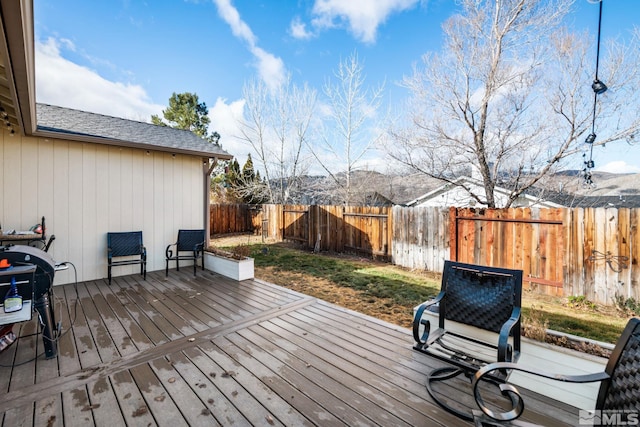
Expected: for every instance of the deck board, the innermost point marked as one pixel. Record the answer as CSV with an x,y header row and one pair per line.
x,y
206,350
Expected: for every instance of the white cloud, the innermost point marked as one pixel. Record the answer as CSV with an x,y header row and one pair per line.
x,y
298,29
618,166
363,17
270,67
66,84
224,120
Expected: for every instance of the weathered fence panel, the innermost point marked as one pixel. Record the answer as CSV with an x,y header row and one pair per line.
x,y
593,252
602,263
420,237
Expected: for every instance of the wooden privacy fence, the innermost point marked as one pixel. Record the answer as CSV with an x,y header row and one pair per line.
x,y
226,219
361,229
525,239
564,251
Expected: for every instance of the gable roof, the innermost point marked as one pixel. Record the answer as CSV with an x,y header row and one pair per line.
x,y
60,122
450,194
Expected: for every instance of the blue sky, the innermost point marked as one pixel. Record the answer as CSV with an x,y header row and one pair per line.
x,y
125,57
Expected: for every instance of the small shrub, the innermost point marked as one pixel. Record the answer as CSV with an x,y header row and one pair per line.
x,y
535,326
627,306
238,252
581,302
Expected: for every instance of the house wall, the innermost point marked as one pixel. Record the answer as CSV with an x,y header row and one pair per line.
x,y
85,190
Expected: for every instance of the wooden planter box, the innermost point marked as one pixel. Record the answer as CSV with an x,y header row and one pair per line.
x,y
229,267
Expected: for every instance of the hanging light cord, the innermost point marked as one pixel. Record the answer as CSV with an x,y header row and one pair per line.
x,y
595,92
598,89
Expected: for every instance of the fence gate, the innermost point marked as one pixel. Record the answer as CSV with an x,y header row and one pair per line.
x,y
529,239
295,224
367,233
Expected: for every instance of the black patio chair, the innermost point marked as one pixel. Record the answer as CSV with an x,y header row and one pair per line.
x,y
487,298
191,241
618,401
128,245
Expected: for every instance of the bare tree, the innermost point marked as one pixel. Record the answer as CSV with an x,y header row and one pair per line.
x,y
276,124
510,97
351,134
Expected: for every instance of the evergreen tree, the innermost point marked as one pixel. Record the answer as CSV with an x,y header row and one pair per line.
x,y
186,112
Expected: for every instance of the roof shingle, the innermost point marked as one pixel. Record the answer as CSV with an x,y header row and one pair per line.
x,y
81,125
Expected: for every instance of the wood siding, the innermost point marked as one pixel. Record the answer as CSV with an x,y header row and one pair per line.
x,y
85,190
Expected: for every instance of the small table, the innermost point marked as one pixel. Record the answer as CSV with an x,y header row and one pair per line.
x,y
22,237
27,237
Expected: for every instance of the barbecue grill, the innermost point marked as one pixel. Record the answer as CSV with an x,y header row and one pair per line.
x,y
43,300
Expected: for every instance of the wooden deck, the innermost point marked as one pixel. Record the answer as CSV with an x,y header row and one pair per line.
x,y
211,351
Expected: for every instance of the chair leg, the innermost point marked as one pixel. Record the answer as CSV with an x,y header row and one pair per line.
x,y
109,274
166,268
144,270
443,374
195,266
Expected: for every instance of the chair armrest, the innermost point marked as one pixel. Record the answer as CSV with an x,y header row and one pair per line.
x,y
505,351
509,390
168,252
199,247
418,320
144,253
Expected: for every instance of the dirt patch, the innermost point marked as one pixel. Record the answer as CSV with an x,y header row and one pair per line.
x,y
383,309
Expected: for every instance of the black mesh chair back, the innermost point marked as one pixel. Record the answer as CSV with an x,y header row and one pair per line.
x,y
188,240
126,244
484,298
622,390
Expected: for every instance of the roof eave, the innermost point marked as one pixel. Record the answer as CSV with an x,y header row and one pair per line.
x,y
43,133
17,28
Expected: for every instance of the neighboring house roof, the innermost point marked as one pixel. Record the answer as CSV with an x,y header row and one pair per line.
x,y
578,201
453,194
72,124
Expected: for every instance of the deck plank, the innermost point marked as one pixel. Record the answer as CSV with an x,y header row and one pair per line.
x,y
77,407
324,391
108,349
240,387
200,378
23,372
104,404
342,365
206,350
197,410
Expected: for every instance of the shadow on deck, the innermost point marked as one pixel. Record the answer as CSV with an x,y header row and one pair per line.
x,y
210,351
